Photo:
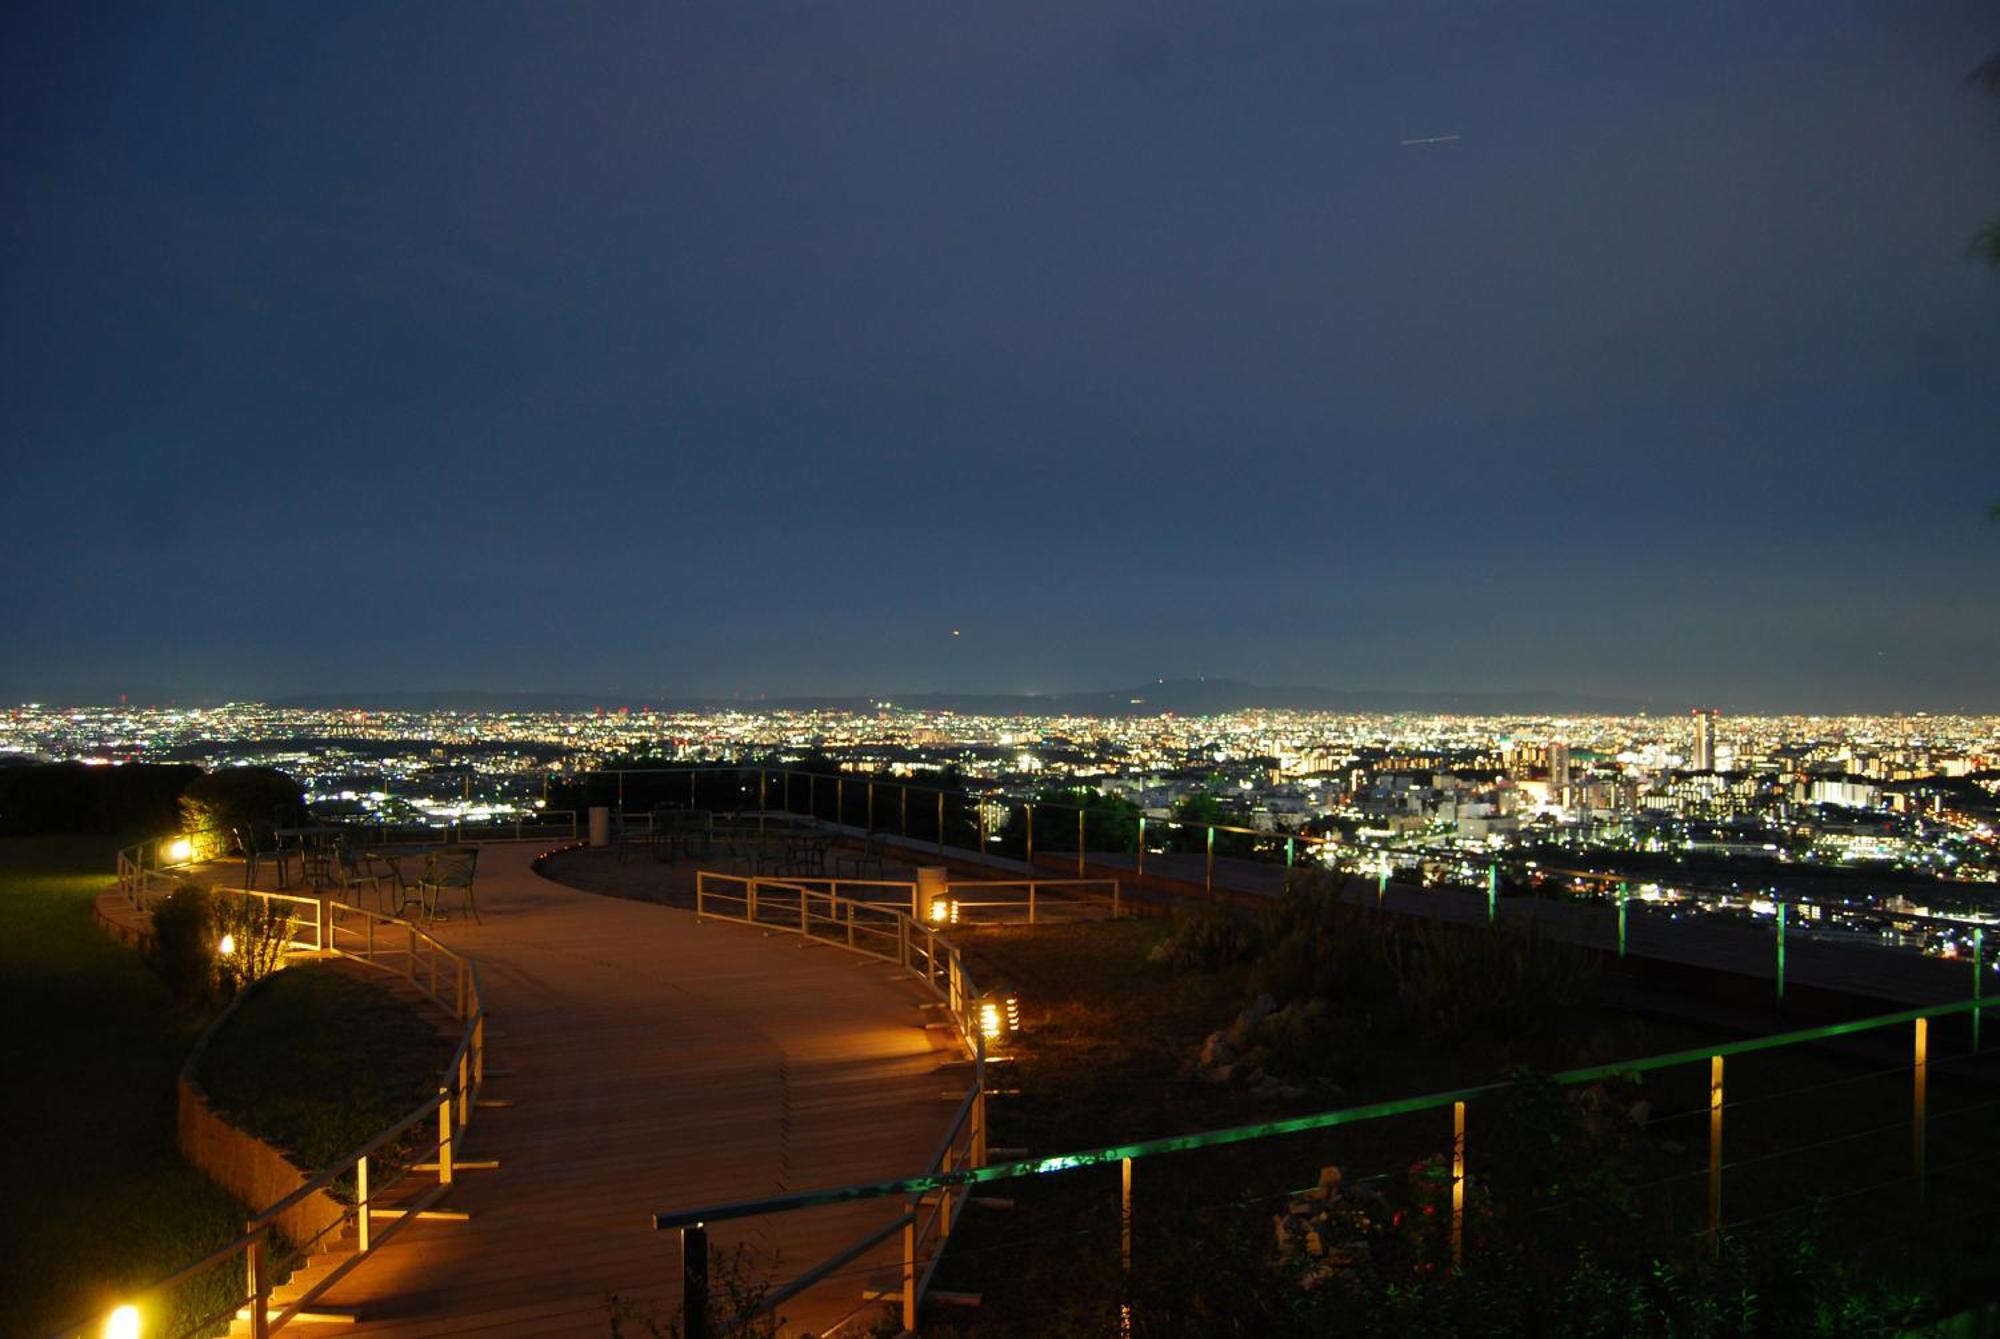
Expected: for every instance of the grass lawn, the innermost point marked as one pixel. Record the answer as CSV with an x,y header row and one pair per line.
x,y
101,1200
315,1030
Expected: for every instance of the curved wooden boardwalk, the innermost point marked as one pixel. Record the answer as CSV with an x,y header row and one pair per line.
x,y
655,1062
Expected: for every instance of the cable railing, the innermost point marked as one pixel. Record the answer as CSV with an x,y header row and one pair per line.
x,y
883,930
1906,1158
1213,860
383,1184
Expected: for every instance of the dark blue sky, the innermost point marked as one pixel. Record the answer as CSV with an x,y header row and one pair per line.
x,y
736,349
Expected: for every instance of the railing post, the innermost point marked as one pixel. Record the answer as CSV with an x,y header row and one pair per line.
x,y
1492,893
1208,875
979,1099
1125,1245
940,822
1920,1063
444,1136
1079,843
871,806
1031,901
1623,888
903,945
260,1284
1142,846
694,1282
914,1204
1714,1151
479,1053
1028,809
1781,950
362,1231
1457,1185
1978,978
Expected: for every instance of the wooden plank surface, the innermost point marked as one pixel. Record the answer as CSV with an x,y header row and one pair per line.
x,y
656,1063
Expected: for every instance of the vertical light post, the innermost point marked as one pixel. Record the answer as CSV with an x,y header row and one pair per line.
x,y
1208,876
1142,846
1079,843
1492,893
1622,889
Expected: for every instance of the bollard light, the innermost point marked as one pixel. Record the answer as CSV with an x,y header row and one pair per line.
x,y
944,911
180,850
122,1323
999,1016
228,945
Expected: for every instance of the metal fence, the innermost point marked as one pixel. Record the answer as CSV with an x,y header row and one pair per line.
x,y
383,1168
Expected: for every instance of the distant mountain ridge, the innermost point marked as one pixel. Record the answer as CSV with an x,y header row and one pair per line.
x,y
1183,697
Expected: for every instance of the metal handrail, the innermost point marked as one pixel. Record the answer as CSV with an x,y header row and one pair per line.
x,y
917,953
1958,932
462,1080
944,1180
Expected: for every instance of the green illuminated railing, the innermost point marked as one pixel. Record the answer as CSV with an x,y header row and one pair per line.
x,y
1456,1101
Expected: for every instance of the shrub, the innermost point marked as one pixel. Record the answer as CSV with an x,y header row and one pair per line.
x,y
1456,983
236,796
256,932
1206,941
184,942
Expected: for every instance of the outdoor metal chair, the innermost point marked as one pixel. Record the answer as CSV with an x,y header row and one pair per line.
x,y
257,845
349,869
444,870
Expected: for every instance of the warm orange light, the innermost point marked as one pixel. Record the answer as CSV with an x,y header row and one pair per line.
x,y
944,911
122,1323
180,850
227,946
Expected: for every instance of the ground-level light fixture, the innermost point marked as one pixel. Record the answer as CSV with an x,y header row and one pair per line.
x,y
228,945
944,911
999,1016
123,1323
180,850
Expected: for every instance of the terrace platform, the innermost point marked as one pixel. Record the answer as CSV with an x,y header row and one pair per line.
x,y
650,1060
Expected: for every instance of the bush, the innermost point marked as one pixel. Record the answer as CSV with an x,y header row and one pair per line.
x,y
257,933
235,797
1206,941
184,942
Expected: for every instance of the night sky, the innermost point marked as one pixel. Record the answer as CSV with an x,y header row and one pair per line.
x,y
739,349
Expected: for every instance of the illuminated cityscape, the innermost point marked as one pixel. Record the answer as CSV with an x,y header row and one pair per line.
x,y
1910,794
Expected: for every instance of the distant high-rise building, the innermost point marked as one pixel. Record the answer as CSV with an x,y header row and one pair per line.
x,y
1702,757
1559,772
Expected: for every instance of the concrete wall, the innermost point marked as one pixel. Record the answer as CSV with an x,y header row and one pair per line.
x,y
248,1168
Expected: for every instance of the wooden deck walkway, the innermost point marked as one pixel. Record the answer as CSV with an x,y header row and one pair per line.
x,y
656,1062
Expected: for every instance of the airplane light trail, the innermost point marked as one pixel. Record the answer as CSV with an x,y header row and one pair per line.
x,y
1432,139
